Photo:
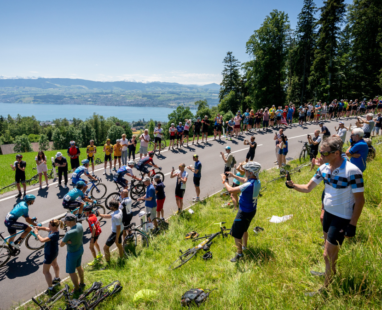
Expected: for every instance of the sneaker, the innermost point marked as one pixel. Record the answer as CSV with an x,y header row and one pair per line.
x,y
56,281
237,258
18,195
93,262
99,256
104,173
58,185
16,246
195,199
49,291
82,286
65,187
244,248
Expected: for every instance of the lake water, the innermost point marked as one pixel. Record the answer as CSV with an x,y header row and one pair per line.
x,y
48,112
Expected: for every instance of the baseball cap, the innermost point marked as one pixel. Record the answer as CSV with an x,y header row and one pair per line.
x,y
196,155
341,123
72,142
59,154
157,176
227,147
69,217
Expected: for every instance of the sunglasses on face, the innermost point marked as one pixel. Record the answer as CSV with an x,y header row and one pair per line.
x,y
327,153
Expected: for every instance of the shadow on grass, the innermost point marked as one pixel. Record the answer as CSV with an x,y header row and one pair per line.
x,y
259,255
352,286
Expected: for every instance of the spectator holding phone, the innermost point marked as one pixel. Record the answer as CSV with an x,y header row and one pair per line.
x,y
228,159
19,167
180,188
62,164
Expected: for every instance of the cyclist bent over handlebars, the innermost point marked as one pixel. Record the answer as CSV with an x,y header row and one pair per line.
x,y
144,162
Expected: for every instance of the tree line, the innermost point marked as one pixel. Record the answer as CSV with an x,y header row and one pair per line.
x,y
335,52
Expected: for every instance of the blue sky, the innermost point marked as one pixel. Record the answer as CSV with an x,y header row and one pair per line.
x,y
167,41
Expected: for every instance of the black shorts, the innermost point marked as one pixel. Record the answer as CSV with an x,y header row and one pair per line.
x,y
340,109
331,110
251,121
226,169
14,226
250,155
143,169
379,106
91,159
48,259
157,140
186,132
172,137
272,119
218,127
241,223
179,193
197,131
20,178
197,181
205,130
362,110
126,220
110,241
180,135
108,157
333,225
71,205
313,154
258,121
116,157
278,118
265,123
121,181
366,135
96,238
301,118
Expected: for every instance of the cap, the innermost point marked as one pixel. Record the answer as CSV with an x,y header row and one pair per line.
x,y
228,148
196,155
59,154
70,217
145,179
341,123
108,140
157,176
180,122
19,156
321,123
72,142
199,118
172,124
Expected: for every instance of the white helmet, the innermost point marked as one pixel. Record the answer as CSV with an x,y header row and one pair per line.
x,y
131,163
253,167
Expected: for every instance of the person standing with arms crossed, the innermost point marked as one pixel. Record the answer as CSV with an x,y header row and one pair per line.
x,y
186,132
158,132
145,139
19,167
124,142
108,150
197,170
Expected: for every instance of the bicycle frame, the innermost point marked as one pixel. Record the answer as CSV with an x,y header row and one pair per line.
x,y
5,240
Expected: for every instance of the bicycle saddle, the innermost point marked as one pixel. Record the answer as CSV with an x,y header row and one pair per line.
x,y
95,286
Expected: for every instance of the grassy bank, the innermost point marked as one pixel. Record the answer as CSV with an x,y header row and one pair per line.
x,y
275,273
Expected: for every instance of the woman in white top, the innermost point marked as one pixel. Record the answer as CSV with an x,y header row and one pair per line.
x,y
42,168
187,126
124,142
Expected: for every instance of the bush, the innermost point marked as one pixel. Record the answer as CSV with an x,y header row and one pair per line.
x,y
33,138
43,143
22,144
115,132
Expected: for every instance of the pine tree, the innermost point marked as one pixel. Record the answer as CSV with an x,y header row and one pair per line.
x,y
231,80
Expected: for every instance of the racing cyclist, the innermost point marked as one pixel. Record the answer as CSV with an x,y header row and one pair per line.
x,y
144,162
20,210
76,176
125,170
75,198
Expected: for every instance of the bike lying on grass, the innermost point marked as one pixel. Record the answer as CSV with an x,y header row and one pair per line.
x,y
205,245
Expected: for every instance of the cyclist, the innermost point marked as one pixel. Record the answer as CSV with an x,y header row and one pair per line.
x,y
20,210
180,130
91,150
249,190
75,198
108,150
125,170
145,162
172,131
76,176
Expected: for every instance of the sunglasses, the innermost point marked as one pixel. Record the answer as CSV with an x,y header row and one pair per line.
x,y
327,153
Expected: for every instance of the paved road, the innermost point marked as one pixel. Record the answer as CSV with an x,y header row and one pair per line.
x,y
22,277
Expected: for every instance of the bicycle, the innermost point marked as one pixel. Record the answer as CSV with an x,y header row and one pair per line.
x,y
205,245
151,146
31,242
47,305
153,173
304,151
137,189
136,239
100,295
96,189
162,225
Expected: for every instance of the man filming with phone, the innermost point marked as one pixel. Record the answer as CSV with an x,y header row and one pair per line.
x,y
314,144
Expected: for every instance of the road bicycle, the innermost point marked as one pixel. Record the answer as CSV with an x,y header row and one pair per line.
x,y
205,245
48,304
135,241
137,190
152,174
151,146
97,189
305,151
31,242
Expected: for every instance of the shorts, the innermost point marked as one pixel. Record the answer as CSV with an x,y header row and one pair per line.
x,y
250,155
308,113
73,260
160,203
258,121
379,106
226,169
366,135
179,193
332,225
110,241
126,220
354,108
377,129
218,127
149,210
95,238
278,118
91,159
48,259
71,205
172,137
241,223
250,122
362,110
331,110
14,226
340,109
121,181
108,157
142,169
283,152
75,180
235,185
143,149
197,181
236,126
205,130
157,140
301,118
180,134
290,117
186,132
229,129
313,154
265,123
20,178
116,157
197,132
272,119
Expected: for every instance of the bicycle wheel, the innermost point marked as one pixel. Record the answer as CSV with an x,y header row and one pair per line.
x,y
139,191
163,144
302,155
135,242
151,146
100,208
5,254
112,196
32,242
184,258
98,161
160,174
98,191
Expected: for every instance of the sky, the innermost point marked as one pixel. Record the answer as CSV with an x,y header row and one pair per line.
x,y
144,41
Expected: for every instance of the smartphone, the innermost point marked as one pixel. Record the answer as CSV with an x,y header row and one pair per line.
x,y
173,169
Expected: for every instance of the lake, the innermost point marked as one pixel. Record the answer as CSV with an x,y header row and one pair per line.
x,y
48,112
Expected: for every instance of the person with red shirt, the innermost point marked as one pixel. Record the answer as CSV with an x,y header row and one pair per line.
x,y
95,230
74,154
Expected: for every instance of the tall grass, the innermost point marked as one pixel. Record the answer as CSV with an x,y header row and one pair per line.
x,y
275,273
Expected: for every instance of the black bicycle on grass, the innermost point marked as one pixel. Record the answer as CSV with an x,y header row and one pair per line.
x,y
135,241
205,245
305,151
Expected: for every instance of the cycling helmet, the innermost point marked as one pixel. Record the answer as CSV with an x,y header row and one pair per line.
x,y
253,167
80,184
172,124
85,161
151,153
29,197
228,148
19,156
88,208
131,163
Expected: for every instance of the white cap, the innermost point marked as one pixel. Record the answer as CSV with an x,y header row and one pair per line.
x,y
59,154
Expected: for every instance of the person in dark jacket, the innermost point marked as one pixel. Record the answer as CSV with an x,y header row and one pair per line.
x,y
62,164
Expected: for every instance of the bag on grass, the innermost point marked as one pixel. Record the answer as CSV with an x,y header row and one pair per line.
x,y
194,296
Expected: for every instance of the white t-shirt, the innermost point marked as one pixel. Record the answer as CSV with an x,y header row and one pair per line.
x,y
41,160
342,133
184,175
310,108
124,144
187,126
116,220
339,188
125,203
143,142
159,132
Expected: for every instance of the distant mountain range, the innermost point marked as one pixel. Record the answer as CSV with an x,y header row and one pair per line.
x,y
45,83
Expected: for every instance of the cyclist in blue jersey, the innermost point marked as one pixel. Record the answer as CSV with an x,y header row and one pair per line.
x,y
144,162
76,176
180,130
20,210
249,190
75,198
125,170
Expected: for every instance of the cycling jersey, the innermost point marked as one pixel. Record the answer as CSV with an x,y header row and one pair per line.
x,y
20,210
74,194
272,112
79,171
94,224
91,150
124,170
172,131
145,161
125,205
158,132
187,126
218,120
180,129
198,125
108,149
249,192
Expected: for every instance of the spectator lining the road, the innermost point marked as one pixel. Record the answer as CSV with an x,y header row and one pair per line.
x,y
42,167
19,167
95,231
145,139
62,164
228,159
252,148
314,144
91,150
149,199
158,132
108,150
117,154
205,125
341,131
197,170
367,125
124,142
358,149
74,155
132,146
180,188
125,206
160,195
325,131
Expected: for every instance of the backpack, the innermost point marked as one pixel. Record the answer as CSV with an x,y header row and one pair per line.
x,y
194,296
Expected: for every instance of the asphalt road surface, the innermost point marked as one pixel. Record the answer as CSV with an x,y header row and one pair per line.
x,y
22,277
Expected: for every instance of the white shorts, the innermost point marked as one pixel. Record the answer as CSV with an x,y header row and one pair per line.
x,y
42,168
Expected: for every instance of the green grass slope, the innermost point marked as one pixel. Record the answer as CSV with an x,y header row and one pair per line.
x,y
275,273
